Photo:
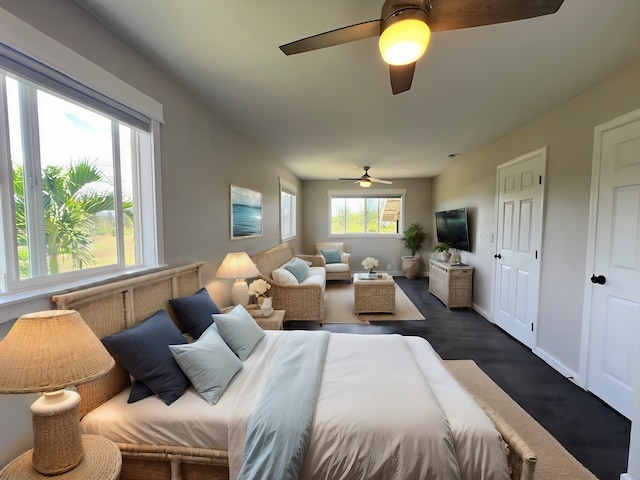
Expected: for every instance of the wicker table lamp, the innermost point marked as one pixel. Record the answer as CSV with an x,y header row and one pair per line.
x,y
47,352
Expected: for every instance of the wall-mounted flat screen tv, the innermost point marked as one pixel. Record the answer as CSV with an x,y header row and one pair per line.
x,y
452,227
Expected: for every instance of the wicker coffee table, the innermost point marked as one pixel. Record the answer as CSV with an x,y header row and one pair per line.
x,y
374,293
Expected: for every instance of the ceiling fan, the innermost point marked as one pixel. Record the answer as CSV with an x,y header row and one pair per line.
x,y
405,25
366,180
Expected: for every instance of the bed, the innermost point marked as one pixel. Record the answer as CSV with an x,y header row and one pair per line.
x,y
360,427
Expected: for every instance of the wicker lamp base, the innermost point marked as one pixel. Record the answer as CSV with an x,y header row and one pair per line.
x,y
57,445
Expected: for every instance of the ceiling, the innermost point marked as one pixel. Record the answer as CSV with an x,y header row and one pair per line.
x,y
326,111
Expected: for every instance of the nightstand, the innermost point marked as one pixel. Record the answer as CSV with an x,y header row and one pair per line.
x,y
101,460
272,322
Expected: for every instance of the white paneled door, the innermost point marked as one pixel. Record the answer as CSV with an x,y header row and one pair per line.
x,y
520,212
613,285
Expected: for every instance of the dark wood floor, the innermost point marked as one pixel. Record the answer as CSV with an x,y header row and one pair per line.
x,y
593,432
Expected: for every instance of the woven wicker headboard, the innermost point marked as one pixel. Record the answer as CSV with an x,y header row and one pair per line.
x,y
116,306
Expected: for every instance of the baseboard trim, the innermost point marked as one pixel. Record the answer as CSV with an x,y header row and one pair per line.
x,y
482,312
559,366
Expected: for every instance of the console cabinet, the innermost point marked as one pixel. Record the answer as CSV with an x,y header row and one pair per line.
x,y
452,284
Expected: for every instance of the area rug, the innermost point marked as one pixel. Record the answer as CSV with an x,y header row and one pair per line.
x,y
554,462
339,307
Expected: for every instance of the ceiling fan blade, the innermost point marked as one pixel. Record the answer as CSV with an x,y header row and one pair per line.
x,y
456,14
401,77
334,37
378,180
354,179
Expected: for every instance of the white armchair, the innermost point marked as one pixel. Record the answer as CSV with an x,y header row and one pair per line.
x,y
338,262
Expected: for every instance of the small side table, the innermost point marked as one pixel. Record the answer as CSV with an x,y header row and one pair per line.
x,y
274,321
101,460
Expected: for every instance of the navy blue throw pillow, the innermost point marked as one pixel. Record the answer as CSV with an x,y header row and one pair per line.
x,y
139,391
194,312
144,352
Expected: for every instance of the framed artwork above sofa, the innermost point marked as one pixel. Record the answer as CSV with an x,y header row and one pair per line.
x,y
245,212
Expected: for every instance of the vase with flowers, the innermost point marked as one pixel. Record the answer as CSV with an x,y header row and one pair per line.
x,y
258,288
369,264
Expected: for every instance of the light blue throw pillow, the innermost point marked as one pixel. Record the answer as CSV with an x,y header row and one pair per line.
x,y
208,363
239,330
331,256
299,269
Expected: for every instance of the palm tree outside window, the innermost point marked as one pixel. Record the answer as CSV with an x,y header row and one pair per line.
x,y
74,174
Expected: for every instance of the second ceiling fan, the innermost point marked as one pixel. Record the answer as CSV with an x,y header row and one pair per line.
x,y
366,180
405,27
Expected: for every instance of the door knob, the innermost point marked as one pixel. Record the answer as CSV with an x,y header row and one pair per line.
x,y
599,279
497,255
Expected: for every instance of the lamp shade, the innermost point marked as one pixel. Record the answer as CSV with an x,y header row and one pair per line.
x,y
237,265
404,42
50,350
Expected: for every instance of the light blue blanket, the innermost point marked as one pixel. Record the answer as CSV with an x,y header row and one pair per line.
x,y
279,429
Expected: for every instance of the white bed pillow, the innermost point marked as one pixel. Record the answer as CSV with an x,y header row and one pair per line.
x,y
284,276
239,330
208,363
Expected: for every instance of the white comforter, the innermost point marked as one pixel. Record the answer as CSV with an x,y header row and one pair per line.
x,y
387,409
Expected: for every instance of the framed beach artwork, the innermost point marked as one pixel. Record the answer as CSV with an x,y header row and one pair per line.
x,y
246,213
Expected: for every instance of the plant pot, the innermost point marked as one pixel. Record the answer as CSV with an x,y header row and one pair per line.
x,y
411,266
445,256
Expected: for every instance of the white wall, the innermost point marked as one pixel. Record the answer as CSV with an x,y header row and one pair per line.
x,y
200,158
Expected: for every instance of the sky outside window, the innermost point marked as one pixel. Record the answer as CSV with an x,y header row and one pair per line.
x,y
67,135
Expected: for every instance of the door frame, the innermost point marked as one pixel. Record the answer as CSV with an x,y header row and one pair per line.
x,y
544,152
599,131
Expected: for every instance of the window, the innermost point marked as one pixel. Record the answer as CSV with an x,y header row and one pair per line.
x,y
377,213
287,210
71,163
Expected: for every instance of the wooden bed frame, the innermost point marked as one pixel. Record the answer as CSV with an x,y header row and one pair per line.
x,y
116,306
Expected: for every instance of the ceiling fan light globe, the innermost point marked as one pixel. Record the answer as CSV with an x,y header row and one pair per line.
x,y
366,183
404,42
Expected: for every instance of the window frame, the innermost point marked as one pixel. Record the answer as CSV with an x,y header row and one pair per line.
x,y
288,189
378,193
17,35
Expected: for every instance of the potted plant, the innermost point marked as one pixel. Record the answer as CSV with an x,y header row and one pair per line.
x,y
443,250
413,237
